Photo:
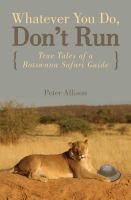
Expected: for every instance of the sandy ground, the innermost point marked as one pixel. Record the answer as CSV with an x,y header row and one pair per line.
x,y
16,187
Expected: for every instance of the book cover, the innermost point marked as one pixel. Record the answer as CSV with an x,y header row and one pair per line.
x,y
65,100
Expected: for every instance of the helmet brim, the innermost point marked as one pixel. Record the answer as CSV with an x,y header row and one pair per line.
x,y
114,177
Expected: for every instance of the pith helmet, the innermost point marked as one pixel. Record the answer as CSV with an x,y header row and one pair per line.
x,y
109,171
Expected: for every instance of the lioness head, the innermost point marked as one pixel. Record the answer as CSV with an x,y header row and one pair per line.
x,y
79,150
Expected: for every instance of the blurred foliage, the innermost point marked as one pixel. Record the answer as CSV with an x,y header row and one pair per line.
x,y
93,114
16,120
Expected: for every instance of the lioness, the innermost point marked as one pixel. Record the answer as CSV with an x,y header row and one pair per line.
x,y
73,163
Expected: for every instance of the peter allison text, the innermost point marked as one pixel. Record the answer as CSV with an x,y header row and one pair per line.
x,y
65,92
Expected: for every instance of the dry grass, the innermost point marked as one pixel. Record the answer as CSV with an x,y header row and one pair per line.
x,y
104,148
113,149
48,129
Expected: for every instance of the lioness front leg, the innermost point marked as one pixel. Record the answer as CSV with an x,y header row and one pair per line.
x,y
86,174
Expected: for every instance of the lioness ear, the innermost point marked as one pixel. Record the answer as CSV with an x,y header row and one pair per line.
x,y
70,144
86,141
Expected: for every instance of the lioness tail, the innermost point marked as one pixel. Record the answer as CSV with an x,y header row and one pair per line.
x,y
11,170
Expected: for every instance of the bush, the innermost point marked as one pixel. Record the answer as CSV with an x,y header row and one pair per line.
x,y
67,123
16,120
128,118
74,124
106,115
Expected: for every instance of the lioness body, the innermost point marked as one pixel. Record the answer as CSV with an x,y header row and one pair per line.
x,y
47,166
73,163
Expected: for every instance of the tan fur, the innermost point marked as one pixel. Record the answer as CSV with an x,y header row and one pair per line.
x,y
73,163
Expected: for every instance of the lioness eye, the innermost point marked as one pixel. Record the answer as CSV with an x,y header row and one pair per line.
x,y
77,152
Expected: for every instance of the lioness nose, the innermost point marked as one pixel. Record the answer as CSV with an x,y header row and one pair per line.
x,y
81,156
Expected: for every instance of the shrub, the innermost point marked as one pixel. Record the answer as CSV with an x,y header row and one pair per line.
x,y
128,118
74,124
106,115
16,120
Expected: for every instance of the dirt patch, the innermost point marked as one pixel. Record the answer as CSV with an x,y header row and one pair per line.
x,y
16,187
